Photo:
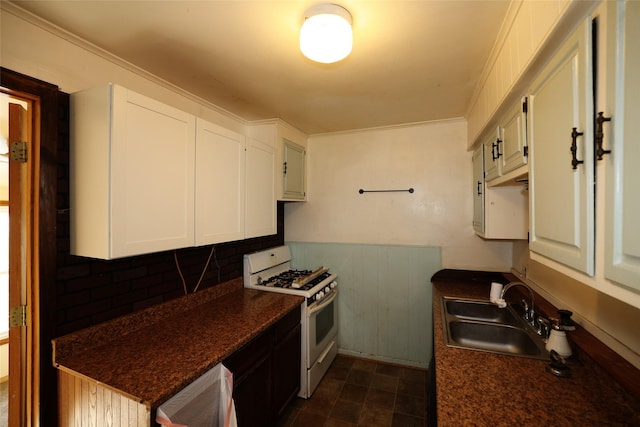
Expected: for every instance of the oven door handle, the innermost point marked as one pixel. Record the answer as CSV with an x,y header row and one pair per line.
x,y
324,303
326,352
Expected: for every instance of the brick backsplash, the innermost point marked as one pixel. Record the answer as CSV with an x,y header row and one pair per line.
x,y
90,291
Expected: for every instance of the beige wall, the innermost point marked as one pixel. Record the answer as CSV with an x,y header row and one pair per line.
x,y
35,48
429,157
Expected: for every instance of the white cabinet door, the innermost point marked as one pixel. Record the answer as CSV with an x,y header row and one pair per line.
x,y
478,190
491,157
505,152
260,189
293,170
132,174
512,135
499,212
220,177
622,263
562,198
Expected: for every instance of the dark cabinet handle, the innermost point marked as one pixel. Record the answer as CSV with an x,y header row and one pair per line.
x,y
493,151
284,168
498,142
600,136
479,192
574,148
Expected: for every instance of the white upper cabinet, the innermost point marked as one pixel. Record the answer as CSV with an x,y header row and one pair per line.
x,y
492,157
132,174
622,138
512,139
290,148
293,180
506,153
147,177
261,211
584,202
530,27
478,190
499,212
219,185
560,120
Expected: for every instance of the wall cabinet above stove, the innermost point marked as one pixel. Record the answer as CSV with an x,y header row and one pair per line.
x,y
291,183
293,171
290,149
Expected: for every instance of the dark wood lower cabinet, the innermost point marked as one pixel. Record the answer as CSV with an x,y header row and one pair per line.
x,y
286,370
251,395
266,373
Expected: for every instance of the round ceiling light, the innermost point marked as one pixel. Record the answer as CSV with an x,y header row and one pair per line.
x,y
326,35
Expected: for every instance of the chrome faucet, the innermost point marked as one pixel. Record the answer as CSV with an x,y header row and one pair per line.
x,y
529,310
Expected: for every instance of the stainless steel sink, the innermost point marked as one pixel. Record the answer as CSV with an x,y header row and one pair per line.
x,y
482,326
480,310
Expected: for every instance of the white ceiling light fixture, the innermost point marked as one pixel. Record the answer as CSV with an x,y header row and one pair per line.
x,y
326,34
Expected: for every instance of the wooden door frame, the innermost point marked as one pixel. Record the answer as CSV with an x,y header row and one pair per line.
x,y
43,405
22,286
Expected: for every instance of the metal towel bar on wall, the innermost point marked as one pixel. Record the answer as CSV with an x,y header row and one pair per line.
x,y
361,191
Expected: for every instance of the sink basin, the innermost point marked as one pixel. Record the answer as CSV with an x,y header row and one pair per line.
x,y
482,326
495,338
480,310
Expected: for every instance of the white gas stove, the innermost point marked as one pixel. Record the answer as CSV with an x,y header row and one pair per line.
x,y
270,270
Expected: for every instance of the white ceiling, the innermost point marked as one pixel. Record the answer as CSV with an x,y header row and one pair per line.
x,y
412,61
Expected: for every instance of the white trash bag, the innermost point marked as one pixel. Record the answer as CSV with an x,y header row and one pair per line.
x,y
206,402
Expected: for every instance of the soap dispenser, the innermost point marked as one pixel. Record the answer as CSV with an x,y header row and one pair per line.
x,y
558,341
558,337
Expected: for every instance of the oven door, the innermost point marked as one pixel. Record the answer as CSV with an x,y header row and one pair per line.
x,y
323,326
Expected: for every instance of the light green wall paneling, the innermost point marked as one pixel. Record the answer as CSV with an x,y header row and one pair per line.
x,y
384,304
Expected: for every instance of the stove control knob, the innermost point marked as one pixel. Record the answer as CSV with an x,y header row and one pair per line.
x,y
327,289
319,296
334,284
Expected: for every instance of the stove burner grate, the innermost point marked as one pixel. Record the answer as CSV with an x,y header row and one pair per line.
x,y
284,279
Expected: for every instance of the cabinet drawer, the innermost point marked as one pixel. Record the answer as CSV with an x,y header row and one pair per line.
x,y
241,363
287,323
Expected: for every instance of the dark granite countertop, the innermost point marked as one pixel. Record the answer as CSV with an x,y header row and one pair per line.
x,y
151,355
478,388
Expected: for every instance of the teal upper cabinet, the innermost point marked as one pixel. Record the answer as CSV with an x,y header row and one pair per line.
x,y
291,182
131,174
290,145
560,120
293,170
622,138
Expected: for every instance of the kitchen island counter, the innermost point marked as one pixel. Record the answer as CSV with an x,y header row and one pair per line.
x,y
479,388
150,355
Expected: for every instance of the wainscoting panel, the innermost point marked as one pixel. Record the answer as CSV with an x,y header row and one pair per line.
x,y
385,297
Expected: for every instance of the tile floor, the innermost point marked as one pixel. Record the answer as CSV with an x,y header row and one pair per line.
x,y
359,392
